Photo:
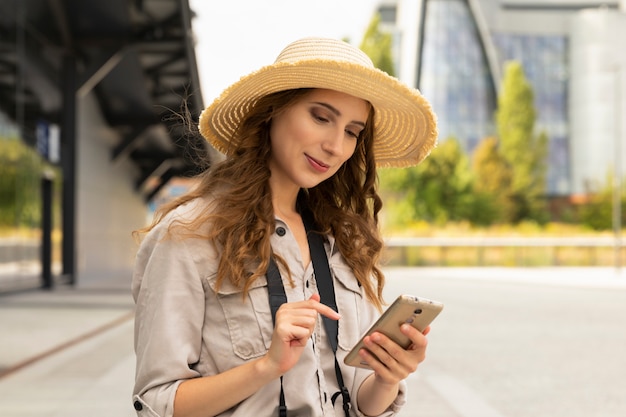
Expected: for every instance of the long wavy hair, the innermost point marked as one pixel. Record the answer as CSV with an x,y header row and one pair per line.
x,y
241,220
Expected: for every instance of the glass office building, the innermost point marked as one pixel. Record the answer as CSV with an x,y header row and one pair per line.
x,y
454,74
461,52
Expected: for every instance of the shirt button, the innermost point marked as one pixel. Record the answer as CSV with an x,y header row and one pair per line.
x,y
138,406
280,231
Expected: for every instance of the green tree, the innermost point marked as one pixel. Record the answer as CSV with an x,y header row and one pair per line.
x,y
20,173
378,46
492,180
597,212
523,151
437,190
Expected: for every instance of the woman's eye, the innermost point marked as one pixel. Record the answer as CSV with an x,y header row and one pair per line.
x,y
319,117
353,134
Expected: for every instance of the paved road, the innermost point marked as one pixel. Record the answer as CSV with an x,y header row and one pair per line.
x,y
504,347
509,343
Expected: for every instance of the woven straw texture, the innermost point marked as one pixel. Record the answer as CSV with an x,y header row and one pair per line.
x,y
404,127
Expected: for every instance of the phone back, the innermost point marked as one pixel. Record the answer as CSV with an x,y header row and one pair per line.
x,y
418,312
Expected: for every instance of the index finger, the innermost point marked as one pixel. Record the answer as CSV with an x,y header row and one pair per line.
x,y
323,309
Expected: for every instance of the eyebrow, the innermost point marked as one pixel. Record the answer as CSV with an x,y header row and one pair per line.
x,y
337,112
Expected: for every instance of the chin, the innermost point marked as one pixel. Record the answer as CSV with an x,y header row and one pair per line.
x,y
312,181
310,184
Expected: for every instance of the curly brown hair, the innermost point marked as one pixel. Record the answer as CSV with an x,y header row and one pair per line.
x,y
242,220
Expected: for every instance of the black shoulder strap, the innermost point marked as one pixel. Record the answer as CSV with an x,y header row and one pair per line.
x,y
275,288
323,277
277,297
326,288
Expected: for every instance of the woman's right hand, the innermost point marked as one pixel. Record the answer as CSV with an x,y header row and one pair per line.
x,y
295,323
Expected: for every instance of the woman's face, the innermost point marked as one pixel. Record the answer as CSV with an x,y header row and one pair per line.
x,y
312,139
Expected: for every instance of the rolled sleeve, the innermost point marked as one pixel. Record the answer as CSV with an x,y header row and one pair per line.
x,y
169,300
395,406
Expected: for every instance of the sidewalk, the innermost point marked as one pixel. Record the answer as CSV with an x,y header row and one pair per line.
x,y
69,351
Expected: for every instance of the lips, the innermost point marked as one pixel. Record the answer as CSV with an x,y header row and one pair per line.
x,y
317,164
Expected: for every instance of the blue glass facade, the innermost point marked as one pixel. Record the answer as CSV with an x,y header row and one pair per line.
x,y
455,77
454,74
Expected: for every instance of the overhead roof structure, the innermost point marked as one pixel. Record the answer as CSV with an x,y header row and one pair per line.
x,y
137,56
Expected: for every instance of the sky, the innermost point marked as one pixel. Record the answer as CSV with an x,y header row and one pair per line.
x,y
236,37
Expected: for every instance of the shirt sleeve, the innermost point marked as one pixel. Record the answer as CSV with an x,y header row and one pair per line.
x,y
169,314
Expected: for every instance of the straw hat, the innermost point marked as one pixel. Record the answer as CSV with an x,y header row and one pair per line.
x,y
404,126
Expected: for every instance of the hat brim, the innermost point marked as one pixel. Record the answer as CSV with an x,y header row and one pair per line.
x,y
404,126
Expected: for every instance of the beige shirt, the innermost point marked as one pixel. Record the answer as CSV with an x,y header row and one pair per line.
x,y
184,329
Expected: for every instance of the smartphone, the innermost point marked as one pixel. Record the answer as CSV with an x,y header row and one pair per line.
x,y
418,312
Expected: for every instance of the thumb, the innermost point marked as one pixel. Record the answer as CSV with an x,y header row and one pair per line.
x,y
315,297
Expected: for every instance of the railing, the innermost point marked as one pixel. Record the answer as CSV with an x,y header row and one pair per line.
x,y
604,250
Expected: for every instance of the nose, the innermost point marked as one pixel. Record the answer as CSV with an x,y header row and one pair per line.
x,y
333,142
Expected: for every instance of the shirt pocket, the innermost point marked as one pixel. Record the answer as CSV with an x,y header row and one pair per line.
x,y
349,302
249,318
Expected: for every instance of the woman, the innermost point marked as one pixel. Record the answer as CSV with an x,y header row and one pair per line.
x,y
302,139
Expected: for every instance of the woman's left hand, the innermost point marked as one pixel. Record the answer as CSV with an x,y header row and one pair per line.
x,y
392,363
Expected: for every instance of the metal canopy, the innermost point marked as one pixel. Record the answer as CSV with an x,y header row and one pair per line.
x,y
137,56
